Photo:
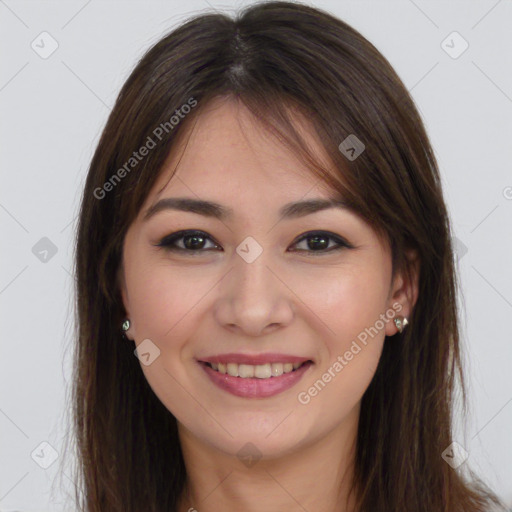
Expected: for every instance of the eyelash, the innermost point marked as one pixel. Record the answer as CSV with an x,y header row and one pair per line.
x,y
168,241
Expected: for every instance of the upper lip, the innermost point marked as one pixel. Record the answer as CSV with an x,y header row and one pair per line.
x,y
254,359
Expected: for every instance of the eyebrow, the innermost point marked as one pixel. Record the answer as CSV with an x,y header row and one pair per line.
x,y
211,209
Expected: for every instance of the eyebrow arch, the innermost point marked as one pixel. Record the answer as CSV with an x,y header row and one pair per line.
x,y
211,209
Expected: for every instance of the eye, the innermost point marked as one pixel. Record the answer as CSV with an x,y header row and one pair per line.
x,y
194,242
319,242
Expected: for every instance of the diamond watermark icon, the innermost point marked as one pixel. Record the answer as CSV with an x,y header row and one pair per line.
x,y
249,249
44,250
44,45
454,45
147,352
249,454
351,147
44,455
455,455
459,247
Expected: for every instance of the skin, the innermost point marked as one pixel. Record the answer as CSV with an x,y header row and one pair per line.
x,y
302,303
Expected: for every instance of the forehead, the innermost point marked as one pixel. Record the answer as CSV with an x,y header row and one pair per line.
x,y
227,153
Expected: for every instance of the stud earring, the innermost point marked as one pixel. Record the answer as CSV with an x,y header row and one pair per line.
x,y
400,322
126,325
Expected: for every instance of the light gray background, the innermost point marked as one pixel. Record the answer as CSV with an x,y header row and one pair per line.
x,y
53,110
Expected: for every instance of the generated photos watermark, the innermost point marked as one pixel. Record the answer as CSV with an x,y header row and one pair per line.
x,y
158,133
304,397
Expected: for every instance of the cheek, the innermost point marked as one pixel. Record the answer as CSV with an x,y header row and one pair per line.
x,y
360,336
165,301
348,302
158,298
351,307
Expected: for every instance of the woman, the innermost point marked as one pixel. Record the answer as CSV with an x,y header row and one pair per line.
x,y
266,294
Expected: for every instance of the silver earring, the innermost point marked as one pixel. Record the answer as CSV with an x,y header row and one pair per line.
x,y
400,322
126,325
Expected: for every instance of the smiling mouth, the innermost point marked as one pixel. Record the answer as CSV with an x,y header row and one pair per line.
x,y
260,371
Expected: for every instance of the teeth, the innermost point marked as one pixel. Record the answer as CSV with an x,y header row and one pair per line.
x,y
246,371
260,371
263,371
277,369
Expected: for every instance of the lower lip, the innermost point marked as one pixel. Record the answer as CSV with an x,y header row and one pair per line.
x,y
254,387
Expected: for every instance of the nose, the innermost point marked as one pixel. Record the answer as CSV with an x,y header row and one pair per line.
x,y
254,299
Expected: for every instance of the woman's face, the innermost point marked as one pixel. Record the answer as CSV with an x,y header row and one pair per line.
x,y
255,287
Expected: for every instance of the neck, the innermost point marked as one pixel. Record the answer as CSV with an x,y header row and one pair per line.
x,y
315,476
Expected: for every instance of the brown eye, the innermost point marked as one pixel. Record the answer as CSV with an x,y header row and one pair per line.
x,y
320,242
193,241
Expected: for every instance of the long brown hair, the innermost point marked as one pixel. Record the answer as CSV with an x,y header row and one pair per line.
x,y
278,58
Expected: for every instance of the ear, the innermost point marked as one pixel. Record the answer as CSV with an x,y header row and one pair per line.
x,y
405,289
121,283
